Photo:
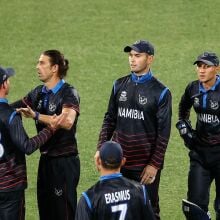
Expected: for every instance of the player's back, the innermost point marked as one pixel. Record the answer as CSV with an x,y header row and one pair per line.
x,y
12,160
116,198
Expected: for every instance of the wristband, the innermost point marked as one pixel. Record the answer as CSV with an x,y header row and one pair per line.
x,y
36,117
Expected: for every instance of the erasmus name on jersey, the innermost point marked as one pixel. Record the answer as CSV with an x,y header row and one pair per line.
x,y
122,195
115,197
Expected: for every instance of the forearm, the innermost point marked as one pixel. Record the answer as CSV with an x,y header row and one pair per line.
x,y
185,104
158,154
107,129
184,109
163,126
30,145
109,122
18,104
44,119
21,139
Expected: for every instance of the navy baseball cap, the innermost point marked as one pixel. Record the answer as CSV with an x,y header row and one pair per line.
x,y
208,58
141,46
5,73
111,153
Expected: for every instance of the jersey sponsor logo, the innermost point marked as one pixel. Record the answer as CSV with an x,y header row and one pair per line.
x,y
130,113
39,105
196,102
123,96
142,100
214,105
208,118
117,196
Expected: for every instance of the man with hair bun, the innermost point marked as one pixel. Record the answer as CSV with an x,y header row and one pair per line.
x,y
55,103
114,197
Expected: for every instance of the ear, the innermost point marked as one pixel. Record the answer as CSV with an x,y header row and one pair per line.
x,y
5,83
123,161
150,59
98,163
55,68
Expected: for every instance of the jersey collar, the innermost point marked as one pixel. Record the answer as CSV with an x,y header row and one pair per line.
x,y
110,176
141,79
213,88
3,100
55,89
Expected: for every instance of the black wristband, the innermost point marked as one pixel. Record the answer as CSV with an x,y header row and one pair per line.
x,y
36,116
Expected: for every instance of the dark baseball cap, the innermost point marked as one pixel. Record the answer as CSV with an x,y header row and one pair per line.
x,y
111,153
208,58
141,46
5,73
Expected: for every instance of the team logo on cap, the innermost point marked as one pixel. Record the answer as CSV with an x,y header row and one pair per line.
x,y
142,100
4,77
123,96
214,105
137,42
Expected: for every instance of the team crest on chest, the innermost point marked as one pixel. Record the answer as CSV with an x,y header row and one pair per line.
x,y
196,102
52,107
123,96
142,100
214,105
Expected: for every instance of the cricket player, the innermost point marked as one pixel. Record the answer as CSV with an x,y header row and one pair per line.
x,y
114,197
14,144
203,142
55,103
139,118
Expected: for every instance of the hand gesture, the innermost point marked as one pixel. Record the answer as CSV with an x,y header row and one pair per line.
x,y
27,112
148,174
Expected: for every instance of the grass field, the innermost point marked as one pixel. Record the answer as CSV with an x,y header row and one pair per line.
x,y
92,34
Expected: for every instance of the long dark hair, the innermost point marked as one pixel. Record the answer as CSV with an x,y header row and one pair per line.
x,y
56,57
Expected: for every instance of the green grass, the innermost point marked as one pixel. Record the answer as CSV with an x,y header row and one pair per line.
x,y
92,34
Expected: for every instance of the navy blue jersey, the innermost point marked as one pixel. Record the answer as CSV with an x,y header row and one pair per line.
x,y
14,144
115,198
51,102
206,104
139,118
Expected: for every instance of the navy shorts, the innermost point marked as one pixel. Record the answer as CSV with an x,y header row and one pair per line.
x,y
12,205
58,178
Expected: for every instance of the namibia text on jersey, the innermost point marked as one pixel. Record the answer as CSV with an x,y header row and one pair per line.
x,y
117,196
130,113
208,118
